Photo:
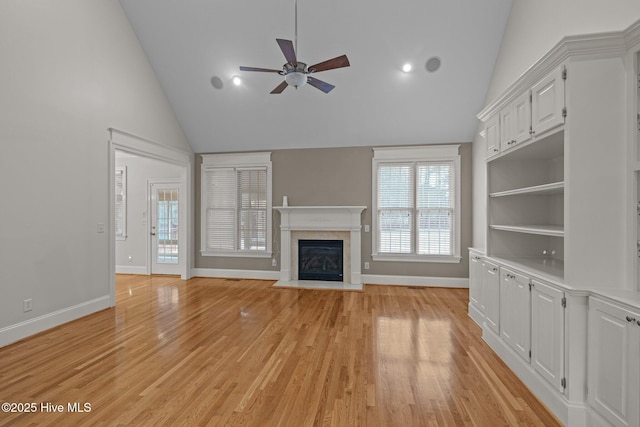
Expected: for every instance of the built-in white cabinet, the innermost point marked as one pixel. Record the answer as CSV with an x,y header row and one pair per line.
x,y
614,363
515,311
562,163
547,332
491,294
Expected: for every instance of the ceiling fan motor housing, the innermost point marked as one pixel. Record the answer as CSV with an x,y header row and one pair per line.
x,y
295,75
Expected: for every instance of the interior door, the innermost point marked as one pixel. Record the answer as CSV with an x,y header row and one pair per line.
x,y
165,227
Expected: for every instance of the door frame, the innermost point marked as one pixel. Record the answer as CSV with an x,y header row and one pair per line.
x,y
122,141
179,183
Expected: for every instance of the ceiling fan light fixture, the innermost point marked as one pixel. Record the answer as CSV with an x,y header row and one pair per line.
x,y
406,67
296,79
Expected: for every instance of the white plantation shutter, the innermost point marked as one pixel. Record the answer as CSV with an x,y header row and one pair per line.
x,y
236,204
221,209
435,206
252,215
416,198
395,208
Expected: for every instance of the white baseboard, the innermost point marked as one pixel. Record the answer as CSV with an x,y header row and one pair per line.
x,y
235,274
476,314
569,413
18,331
436,282
131,269
369,279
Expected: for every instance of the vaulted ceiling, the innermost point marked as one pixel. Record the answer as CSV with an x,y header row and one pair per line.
x,y
196,47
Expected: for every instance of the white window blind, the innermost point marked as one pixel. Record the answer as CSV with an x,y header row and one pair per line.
x,y
221,210
121,203
395,208
435,208
416,204
236,207
252,215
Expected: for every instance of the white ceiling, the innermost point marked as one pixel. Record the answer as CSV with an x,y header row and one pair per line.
x,y
189,42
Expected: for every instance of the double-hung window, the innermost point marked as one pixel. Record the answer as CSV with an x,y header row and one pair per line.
x,y
416,196
236,204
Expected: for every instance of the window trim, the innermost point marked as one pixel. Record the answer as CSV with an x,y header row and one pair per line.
x,y
236,161
416,155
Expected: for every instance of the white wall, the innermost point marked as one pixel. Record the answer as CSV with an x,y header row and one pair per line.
x,y
70,70
534,27
131,253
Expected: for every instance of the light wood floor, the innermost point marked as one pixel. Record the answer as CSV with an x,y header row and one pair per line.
x,y
239,352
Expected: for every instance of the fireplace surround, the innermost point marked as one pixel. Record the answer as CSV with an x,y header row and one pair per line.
x,y
321,223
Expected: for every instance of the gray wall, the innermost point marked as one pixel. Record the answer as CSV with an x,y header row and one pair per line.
x,y
337,177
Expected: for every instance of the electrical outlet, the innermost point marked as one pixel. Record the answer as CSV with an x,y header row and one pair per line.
x,y
100,227
130,259
274,262
366,228
27,305
366,265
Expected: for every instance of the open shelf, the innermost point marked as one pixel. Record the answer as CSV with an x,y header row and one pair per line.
x,y
544,189
541,230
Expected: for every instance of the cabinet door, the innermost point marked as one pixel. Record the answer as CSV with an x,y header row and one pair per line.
x,y
547,333
475,281
547,102
515,311
612,371
522,118
492,135
491,295
507,127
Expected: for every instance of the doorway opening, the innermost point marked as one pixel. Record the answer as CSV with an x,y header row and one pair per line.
x,y
149,208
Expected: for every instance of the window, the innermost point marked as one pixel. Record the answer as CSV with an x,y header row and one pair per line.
x,y
416,196
236,205
121,203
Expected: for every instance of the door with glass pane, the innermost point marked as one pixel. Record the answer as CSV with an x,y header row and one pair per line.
x,y
165,228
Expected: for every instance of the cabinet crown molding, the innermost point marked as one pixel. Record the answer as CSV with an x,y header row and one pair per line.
x,y
592,46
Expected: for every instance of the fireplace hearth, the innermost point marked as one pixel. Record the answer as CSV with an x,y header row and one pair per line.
x,y
320,260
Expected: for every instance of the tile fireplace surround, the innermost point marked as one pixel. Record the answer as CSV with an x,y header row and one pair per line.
x,y
321,223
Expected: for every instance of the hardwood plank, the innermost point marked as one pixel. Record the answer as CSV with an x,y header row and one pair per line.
x,y
242,353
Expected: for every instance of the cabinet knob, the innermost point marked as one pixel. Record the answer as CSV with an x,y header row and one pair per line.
x,y
495,150
631,319
494,269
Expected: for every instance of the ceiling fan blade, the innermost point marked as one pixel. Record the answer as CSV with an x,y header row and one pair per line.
x,y
286,46
319,84
266,70
282,86
337,62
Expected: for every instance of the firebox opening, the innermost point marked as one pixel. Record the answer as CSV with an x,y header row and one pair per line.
x,y
320,260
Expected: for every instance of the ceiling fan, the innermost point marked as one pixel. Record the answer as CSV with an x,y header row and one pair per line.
x,y
297,73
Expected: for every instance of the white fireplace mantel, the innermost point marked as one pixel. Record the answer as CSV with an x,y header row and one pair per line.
x,y
321,219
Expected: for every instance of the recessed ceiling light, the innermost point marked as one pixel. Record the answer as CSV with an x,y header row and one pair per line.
x,y
236,80
433,64
406,67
